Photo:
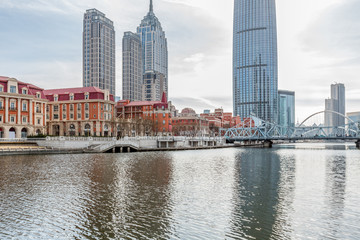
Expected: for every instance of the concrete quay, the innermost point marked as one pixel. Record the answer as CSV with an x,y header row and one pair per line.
x,y
76,145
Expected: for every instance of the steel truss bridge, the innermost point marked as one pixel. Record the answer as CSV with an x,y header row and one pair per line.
x,y
269,132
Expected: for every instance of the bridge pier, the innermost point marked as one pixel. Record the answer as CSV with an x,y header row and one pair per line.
x,y
358,144
267,144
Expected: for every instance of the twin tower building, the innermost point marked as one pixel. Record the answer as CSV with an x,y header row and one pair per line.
x,y
145,57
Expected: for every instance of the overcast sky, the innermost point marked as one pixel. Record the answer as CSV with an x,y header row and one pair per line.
x,y
318,44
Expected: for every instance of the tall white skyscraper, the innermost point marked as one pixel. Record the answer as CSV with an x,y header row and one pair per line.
x,y
98,51
335,104
132,67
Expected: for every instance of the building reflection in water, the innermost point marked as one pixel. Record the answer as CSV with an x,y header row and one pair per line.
x,y
335,191
263,195
129,199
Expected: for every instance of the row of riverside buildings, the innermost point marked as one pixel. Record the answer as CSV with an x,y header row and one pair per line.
x,y
28,110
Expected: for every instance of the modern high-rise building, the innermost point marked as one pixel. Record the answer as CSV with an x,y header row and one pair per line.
x,y
286,108
255,64
154,52
132,87
98,51
335,104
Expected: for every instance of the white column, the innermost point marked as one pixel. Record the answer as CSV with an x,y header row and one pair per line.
x,y
31,113
19,112
6,118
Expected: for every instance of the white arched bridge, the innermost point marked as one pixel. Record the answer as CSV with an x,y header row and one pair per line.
x,y
259,130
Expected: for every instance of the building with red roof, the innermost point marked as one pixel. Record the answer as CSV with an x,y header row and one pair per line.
x,y
22,109
188,123
84,111
143,118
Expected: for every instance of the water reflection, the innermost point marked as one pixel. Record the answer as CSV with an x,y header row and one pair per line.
x,y
335,189
129,198
263,195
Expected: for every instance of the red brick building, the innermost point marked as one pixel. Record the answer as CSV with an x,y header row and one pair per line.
x,y
143,118
22,109
86,111
218,120
190,124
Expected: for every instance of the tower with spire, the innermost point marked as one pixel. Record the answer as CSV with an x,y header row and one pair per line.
x,y
154,57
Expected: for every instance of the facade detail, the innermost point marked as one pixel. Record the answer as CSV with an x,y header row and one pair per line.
x,y
132,67
335,104
22,109
143,118
85,111
255,65
220,119
154,55
98,51
153,86
286,108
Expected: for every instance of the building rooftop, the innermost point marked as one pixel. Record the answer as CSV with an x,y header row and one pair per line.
x,y
72,90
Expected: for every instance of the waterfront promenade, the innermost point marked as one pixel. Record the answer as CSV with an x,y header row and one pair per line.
x,y
73,145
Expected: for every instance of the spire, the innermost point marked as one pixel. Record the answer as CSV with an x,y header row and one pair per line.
x,y
151,6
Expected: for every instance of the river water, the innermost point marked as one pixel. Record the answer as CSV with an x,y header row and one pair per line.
x,y
299,191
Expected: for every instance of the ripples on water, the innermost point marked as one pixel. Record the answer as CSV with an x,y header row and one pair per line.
x,y
290,192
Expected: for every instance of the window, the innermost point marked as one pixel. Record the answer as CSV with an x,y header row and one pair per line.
x,y
86,106
1,118
24,119
64,107
79,116
38,108
79,107
24,106
71,97
86,115
163,122
71,107
64,116
39,121
24,91
55,98
163,114
94,106
38,95
56,116
12,89
94,115
1,105
1,88
86,96
56,108
72,116
12,106
48,108
12,119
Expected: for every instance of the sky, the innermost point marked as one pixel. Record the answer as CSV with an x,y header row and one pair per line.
x,y
318,45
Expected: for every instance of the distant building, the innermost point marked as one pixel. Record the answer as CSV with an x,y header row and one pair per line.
x,y
255,62
286,108
22,109
354,116
132,87
143,118
86,111
188,123
98,51
335,104
153,86
218,120
154,56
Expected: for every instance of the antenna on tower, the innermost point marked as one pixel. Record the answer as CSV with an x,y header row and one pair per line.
x,y
151,6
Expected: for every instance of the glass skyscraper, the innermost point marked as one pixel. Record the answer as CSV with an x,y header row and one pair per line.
x,y
255,64
98,51
154,54
286,109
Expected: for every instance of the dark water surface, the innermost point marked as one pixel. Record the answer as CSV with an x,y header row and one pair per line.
x,y
302,191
